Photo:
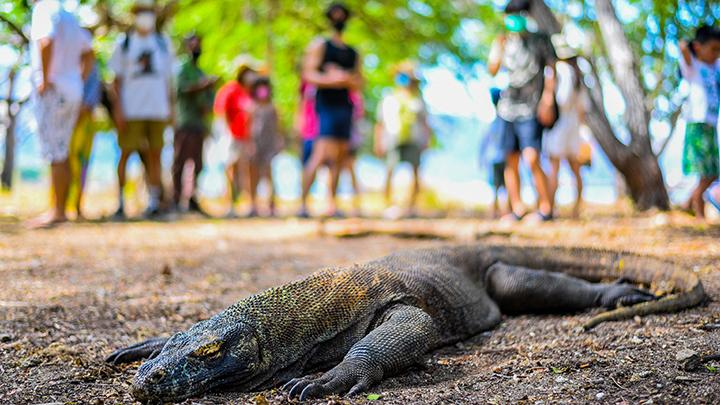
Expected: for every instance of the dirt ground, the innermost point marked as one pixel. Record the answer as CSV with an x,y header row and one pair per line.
x,y
71,295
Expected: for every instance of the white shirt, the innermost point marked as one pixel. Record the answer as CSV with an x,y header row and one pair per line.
x,y
703,101
145,71
70,41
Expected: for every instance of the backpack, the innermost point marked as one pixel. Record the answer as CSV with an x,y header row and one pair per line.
x,y
158,38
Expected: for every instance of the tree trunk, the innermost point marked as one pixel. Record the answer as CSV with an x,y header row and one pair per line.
x,y
6,177
637,163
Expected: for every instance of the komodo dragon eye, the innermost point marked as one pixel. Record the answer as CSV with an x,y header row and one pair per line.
x,y
208,350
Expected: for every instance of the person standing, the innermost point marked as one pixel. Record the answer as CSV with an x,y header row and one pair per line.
x,y
142,63
61,57
233,103
562,141
194,105
334,68
267,141
700,66
528,100
306,121
81,142
402,131
492,155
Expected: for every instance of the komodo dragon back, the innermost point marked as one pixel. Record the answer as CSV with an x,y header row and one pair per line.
x,y
680,288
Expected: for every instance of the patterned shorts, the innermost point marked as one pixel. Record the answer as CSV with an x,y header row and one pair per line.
x,y
56,118
700,154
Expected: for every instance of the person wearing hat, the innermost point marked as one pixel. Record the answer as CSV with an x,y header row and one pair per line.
x,y
233,103
563,140
142,62
526,105
334,68
402,131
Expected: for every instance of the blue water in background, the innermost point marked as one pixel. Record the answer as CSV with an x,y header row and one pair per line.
x,y
453,170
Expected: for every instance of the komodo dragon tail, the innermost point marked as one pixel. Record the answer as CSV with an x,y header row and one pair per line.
x,y
678,287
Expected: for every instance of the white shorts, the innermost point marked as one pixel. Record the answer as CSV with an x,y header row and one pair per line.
x,y
56,119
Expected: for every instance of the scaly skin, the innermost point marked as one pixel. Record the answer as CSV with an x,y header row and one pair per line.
x,y
365,322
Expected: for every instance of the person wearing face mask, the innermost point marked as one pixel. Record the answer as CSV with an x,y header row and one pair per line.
x,y
194,104
266,138
142,62
334,68
402,132
526,105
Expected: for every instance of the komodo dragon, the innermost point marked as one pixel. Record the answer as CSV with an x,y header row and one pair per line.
x,y
365,322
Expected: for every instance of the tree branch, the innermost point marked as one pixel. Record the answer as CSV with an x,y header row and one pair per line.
x,y
624,69
15,28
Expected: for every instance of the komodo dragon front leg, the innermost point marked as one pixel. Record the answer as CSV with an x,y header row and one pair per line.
x,y
522,290
404,335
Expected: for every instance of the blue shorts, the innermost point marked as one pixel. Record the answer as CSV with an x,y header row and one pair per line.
x,y
307,147
335,121
521,135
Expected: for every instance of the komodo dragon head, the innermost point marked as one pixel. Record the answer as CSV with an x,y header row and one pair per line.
x,y
211,354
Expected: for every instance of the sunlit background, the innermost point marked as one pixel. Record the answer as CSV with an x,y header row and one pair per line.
x,y
455,87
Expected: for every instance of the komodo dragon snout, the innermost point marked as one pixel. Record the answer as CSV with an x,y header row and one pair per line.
x,y
205,357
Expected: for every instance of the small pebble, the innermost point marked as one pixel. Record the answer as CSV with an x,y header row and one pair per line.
x,y
560,379
599,396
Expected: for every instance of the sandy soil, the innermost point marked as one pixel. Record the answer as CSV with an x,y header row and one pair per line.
x,y
71,295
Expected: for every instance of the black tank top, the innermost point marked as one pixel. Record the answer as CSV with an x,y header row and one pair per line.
x,y
346,59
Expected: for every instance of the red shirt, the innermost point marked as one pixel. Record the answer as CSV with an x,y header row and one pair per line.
x,y
233,103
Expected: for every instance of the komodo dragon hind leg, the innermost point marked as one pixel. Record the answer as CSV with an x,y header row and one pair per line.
x,y
404,335
144,350
523,290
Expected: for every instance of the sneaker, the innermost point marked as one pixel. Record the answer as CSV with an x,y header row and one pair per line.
x,y
119,215
303,213
194,206
152,213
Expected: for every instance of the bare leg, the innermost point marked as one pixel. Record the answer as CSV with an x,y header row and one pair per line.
x,y
512,183
271,185
415,190
698,203
532,157
575,167
553,178
338,153
318,156
388,185
254,181
60,177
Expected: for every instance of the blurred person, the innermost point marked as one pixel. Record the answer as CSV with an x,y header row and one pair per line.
x,y
142,62
402,132
563,140
61,58
492,155
306,121
334,68
700,67
267,141
356,140
81,142
526,104
194,104
232,104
